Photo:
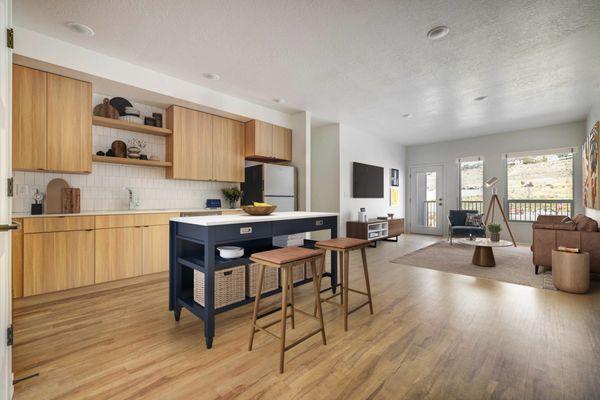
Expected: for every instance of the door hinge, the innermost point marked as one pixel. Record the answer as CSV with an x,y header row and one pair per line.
x,y
9,335
10,187
10,38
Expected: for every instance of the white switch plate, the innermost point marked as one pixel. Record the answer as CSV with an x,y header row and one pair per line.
x,y
22,190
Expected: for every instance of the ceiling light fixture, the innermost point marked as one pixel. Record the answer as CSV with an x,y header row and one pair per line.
x,y
480,98
406,115
279,100
211,76
80,28
438,32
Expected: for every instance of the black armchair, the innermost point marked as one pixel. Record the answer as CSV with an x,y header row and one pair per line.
x,y
457,224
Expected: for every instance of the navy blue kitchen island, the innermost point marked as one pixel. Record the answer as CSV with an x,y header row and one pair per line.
x,y
193,246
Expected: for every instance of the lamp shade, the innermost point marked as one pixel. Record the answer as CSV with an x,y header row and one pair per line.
x,y
491,182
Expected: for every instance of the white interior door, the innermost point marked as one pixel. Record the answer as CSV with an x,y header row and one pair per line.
x,y
427,199
6,378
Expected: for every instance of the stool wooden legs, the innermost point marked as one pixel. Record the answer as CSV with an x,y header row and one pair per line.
x,y
284,293
261,277
346,257
291,293
317,290
366,269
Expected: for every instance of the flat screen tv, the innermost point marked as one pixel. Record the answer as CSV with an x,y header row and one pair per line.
x,y
367,181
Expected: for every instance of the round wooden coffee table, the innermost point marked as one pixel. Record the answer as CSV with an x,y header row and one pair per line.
x,y
483,255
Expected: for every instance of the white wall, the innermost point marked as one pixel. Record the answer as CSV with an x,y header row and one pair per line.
x,y
356,146
491,147
593,117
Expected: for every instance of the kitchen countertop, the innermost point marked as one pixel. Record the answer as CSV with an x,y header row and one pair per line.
x,y
213,220
118,212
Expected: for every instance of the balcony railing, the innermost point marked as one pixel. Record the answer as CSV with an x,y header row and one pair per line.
x,y
472,205
528,210
430,210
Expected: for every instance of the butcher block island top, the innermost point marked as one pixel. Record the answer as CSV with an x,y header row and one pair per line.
x,y
213,220
198,275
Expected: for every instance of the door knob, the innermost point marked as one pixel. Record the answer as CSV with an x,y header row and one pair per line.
x,y
10,227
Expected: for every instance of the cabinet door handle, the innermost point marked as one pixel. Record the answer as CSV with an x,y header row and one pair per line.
x,y
245,230
319,222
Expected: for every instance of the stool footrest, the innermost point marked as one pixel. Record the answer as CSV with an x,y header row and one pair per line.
x,y
331,297
267,313
306,314
302,339
276,321
265,330
359,307
358,291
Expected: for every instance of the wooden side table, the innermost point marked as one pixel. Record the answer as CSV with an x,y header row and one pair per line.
x,y
571,271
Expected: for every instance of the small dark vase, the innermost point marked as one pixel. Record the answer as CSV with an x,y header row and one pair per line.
x,y
495,236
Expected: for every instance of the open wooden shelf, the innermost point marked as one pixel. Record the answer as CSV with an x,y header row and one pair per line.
x,y
131,161
129,126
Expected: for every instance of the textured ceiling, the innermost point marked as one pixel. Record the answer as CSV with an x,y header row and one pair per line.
x,y
362,63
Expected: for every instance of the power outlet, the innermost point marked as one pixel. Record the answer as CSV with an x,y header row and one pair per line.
x,y
22,190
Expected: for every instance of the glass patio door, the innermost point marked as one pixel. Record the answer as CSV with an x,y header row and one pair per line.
x,y
426,199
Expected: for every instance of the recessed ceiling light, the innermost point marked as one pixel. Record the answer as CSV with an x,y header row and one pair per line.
x,y
406,115
81,28
279,100
438,32
480,98
211,76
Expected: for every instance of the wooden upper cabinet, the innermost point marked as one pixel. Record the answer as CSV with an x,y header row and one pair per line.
x,y
29,118
265,141
52,122
282,143
69,125
190,147
228,150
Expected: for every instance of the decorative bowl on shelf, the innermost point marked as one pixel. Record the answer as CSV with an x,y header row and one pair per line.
x,y
259,210
230,252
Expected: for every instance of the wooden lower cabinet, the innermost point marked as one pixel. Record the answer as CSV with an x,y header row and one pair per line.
x,y
118,253
155,249
55,261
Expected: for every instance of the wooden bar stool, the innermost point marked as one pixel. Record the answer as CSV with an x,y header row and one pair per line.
x,y
284,259
344,246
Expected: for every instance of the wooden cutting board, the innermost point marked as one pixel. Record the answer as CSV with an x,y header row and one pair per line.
x,y
70,200
54,192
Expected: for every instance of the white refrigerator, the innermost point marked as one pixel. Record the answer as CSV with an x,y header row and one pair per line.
x,y
270,183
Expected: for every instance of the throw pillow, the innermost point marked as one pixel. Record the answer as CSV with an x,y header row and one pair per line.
x,y
474,220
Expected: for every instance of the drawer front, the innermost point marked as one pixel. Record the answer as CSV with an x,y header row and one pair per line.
x,y
235,232
116,221
156,219
300,225
57,224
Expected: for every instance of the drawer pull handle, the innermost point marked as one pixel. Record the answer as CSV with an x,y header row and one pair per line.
x,y
319,222
245,230
227,273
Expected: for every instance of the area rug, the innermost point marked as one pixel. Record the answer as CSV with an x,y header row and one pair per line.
x,y
513,264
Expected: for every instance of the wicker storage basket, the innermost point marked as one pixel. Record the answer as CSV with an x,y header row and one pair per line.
x,y
298,273
230,286
270,282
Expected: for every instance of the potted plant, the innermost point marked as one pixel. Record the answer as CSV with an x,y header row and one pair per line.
x,y
495,232
232,194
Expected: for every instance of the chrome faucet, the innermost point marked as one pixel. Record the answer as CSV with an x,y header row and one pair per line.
x,y
133,203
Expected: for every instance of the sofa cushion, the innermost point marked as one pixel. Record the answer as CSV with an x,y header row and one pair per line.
x,y
474,219
585,224
459,217
468,230
562,227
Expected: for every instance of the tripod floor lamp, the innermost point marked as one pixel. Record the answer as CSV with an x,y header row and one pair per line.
x,y
491,183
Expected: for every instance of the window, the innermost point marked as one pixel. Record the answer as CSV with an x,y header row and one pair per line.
x,y
539,183
471,184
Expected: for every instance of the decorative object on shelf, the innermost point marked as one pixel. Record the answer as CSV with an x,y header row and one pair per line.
x,y
213,203
133,152
149,121
362,215
144,157
154,158
491,183
132,111
100,153
106,110
120,103
157,119
71,200
132,118
119,148
494,231
110,153
232,194
394,196
395,177
230,252
259,210
37,208
136,146
54,193
390,215
591,168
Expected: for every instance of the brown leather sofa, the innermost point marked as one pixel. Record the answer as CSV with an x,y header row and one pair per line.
x,y
551,231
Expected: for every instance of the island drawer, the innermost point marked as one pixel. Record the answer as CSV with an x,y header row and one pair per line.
x,y
235,232
299,225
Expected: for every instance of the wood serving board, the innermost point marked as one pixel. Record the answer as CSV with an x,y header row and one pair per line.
x,y
54,195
